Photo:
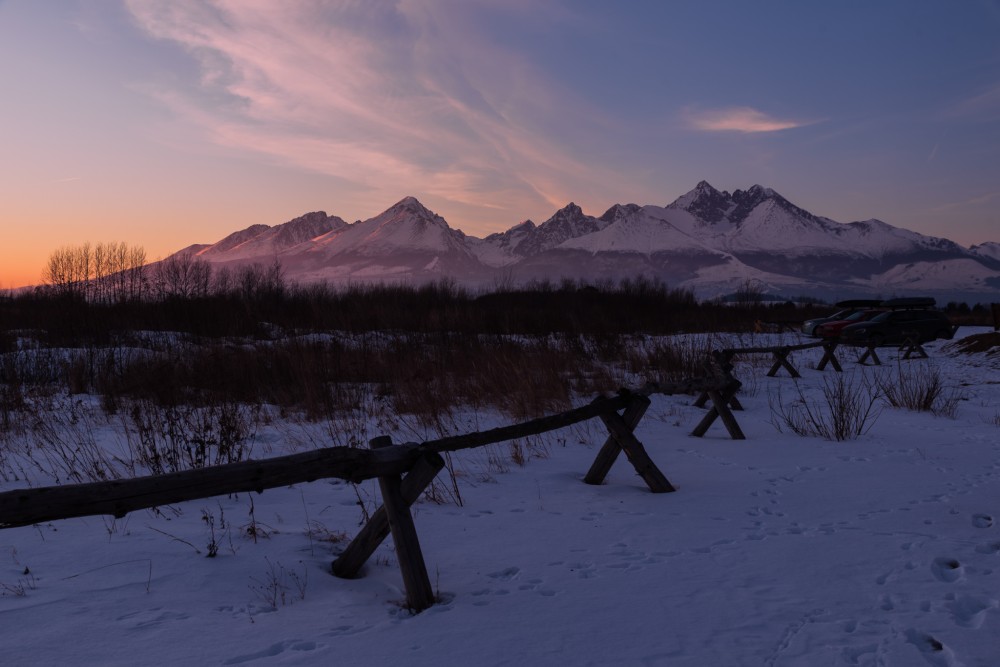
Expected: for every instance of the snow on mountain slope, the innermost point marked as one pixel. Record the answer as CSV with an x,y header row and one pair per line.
x,y
262,241
989,250
761,220
876,239
953,274
527,239
705,239
407,226
706,205
234,240
644,230
501,249
771,227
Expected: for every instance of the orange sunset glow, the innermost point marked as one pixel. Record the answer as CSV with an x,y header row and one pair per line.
x,y
166,124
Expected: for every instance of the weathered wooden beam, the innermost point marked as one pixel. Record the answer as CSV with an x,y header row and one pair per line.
x,y
829,356
23,507
610,450
419,594
525,429
772,348
719,409
735,432
724,361
911,346
636,453
870,353
781,361
352,559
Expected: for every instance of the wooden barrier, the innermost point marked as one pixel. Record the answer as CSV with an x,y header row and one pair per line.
x,y
869,353
911,347
403,472
779,354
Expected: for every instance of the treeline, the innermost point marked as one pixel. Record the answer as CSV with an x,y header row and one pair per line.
x,y
258,303
116,273
92,294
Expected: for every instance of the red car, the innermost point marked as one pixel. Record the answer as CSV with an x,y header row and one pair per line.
x,y
833,329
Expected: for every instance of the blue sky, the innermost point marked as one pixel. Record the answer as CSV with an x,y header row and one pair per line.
x,y
168,123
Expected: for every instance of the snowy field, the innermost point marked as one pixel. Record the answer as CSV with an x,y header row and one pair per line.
x,y
776,550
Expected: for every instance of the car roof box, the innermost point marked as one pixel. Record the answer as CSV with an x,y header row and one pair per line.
x,y
859,303
910,302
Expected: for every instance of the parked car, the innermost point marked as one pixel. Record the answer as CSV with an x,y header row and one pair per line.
x,y
834,328
847,308
895,326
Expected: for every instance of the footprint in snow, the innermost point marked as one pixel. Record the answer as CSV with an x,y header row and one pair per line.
x,y
506,574
969,611
273,650
989,548
932,650
153,618
947,569
982,521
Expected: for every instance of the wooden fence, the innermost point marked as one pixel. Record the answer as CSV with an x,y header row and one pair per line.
x,y
403,472
910,348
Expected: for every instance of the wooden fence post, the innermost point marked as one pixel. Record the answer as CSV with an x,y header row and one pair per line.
x,y
608,453
720,409
829,356
724,361
870,353
635,452
780,355
419,594
352,559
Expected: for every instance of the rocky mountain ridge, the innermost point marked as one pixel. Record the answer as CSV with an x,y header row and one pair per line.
x,y
707,240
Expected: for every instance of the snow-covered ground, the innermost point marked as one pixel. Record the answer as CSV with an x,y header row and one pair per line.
x,y
775,550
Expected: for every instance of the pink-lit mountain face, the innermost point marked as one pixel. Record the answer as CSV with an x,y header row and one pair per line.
x,y
708,240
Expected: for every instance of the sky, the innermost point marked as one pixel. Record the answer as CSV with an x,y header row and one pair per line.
x,y
162,124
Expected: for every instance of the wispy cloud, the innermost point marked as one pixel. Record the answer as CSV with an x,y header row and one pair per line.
x,y
739,119
984,199
401,95
983,104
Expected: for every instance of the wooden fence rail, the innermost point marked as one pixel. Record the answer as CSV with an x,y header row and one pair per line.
x,y
780,355
403,471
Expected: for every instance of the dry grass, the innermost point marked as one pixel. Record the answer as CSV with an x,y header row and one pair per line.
x,y
847,409
988,343
921,388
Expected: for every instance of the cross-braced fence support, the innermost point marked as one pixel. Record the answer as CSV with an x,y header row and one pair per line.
x,y
622,439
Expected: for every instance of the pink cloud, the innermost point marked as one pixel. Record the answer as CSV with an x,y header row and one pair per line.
x,y
395,97
739,119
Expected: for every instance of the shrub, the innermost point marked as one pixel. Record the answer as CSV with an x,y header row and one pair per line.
x,y
919,387
848,409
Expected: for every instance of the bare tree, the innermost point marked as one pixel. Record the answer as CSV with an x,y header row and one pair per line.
x,y
750,293
68,271
182,276
106,273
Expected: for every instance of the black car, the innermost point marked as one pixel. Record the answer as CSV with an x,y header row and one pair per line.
x,y
896,326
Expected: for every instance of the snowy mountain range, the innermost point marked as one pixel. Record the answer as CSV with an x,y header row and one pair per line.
x,y
707,240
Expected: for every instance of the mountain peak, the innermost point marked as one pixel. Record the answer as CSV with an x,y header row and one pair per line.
x,y
409,204
570,210
706,203
619,211
706,237
758,190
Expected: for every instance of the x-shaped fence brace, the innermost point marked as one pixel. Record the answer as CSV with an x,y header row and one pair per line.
x,y
399,493
403,473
